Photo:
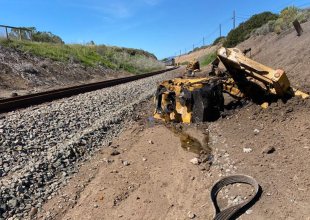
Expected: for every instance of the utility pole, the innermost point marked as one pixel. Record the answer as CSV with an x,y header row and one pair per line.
x,y
203,41
193,47
234,19
180,52
220,30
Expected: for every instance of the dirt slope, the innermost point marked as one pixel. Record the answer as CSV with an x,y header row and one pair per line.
x,y
196,55
24,73
286,51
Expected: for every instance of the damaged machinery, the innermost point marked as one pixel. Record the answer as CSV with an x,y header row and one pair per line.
x,y
201,99
192,67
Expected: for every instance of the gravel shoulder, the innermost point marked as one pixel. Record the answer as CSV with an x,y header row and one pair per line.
x,y
42,146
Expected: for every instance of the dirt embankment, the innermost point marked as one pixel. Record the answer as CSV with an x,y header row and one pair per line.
x,y
196,55
286,51
24,73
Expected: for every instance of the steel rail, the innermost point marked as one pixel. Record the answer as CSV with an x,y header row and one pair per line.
x,y
10,104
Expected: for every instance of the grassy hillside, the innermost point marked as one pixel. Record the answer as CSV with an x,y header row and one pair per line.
x,y
244,30
131,60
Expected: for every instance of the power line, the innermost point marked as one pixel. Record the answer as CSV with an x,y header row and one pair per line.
x,y
219,30
304,4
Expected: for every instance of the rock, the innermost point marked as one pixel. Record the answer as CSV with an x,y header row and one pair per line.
x,y
14,94
256,131
144,159
151,142
126,163
3,208
28,68
268,150
247,150
12,203
194,161
96,206
249,212
115,153
191,215
33,212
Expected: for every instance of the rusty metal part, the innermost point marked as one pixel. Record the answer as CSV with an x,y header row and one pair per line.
x,y
230,212
14,103
192,67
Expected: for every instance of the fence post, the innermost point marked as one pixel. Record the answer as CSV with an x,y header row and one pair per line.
x,y
298,27
6,32
20,34
30,35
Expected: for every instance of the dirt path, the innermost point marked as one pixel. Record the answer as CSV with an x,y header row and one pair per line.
x,y
159,182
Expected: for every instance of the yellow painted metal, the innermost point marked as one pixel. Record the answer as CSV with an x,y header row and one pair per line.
x,y
193,65
300,93
233,58
231,88
265,105
181,113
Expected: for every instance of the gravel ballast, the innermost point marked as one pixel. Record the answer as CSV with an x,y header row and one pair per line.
x,y
41,146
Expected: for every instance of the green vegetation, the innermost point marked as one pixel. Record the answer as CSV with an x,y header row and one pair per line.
x,y
184,63
219,40
131,60
244,30
37,36
284,21
198,48
47,37
207,59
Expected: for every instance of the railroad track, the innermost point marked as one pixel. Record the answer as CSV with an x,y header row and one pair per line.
x,y
18,102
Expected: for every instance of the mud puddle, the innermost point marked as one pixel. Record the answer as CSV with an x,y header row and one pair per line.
x,y
195,140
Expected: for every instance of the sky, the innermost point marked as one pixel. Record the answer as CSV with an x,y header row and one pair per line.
x,y
162,27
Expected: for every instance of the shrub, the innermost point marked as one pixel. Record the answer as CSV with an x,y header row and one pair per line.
x,y
289,14
265,29
285,21
47,37
184,63
219,40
